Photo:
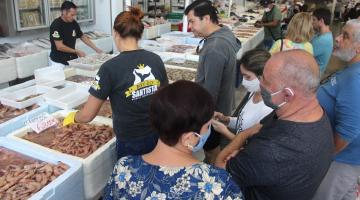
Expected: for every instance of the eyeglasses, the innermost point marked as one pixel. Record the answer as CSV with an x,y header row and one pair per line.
x,y
200,46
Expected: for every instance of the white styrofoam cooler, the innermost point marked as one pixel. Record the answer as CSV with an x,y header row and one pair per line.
x,y
19,122
76,71
11,99
8,70
26,65
164,28
150,32
67,186
96,168
68,97
105,44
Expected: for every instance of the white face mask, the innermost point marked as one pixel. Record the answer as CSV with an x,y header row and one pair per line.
x,y
251,86
267,9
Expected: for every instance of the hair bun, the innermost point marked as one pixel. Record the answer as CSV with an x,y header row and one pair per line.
x,y
136,12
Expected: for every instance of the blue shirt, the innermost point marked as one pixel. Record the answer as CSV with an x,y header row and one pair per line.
x,y
340,97
133,178
322,46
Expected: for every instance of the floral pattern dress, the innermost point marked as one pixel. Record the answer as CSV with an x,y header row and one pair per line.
x,y
133,178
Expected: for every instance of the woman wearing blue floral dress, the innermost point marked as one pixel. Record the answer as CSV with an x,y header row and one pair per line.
x,y
181,113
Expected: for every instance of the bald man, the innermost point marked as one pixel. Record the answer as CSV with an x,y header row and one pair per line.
x,y
287,156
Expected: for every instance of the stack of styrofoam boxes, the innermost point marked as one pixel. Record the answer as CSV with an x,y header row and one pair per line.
x,y
26,65
96,168
8,70
68,186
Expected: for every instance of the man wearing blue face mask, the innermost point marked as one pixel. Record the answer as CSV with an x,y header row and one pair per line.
x,y
289,156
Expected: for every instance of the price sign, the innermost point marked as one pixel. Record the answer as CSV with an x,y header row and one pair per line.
x,y
42,122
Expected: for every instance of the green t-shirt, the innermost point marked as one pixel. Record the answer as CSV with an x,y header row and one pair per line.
x,y
273,32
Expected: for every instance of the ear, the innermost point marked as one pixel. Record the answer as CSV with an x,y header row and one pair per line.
x,y
207,18
289,94
357,47
187,138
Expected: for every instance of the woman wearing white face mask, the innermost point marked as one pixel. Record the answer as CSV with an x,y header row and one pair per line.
x,y
252,109
181,114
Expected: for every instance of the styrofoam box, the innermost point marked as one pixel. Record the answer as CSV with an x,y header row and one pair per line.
x,y
177,36
19,121
105,44
67,98
192,57
50,76
90,67
26,65
11,98
166,56
68,185
8,70
182,68
75,71
150,32
17,87
96,168
164,28
152,45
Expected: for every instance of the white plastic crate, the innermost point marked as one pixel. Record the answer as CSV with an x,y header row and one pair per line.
x,y
17,87
19,121
68,97
165,56
50,76
14,99
96,168
26,65
67,186
8,70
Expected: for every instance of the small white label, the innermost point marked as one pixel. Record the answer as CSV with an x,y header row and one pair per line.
x,y
42,122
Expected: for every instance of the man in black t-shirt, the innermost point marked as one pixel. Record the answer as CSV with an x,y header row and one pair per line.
x,y
63,34
289,154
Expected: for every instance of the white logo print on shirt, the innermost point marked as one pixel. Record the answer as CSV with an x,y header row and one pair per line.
x,y
145,83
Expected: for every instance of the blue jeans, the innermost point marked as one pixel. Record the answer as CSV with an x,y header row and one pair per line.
x,y
138,146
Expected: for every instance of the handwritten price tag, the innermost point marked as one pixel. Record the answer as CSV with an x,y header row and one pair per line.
x,y
43,122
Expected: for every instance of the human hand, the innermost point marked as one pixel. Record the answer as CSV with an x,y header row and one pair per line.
x,y
220,117
69,119
99,50
80,53
218,126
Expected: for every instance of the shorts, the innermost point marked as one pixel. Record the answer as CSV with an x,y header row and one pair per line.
x,y
213,141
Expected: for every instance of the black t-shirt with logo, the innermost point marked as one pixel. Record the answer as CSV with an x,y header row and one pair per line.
x,y
129,80
68,32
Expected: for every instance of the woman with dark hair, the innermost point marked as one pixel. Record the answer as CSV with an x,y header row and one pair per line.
x,y
129,80
181,112
253,109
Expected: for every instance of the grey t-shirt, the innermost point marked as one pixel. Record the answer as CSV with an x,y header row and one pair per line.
x,y
273,33
285,160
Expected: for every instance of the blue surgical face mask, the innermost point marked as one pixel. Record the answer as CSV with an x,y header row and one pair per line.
x,y
266,96
202,140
